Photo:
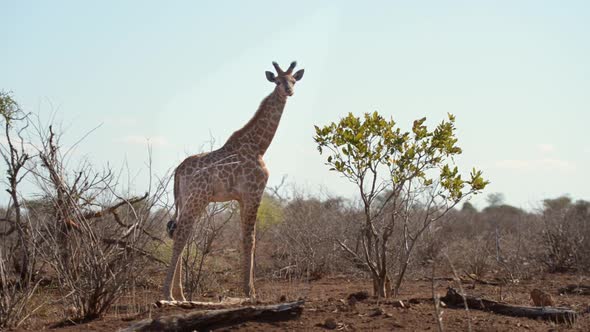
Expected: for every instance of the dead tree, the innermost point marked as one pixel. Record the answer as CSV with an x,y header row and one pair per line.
x,y
94,239
15,158
18,245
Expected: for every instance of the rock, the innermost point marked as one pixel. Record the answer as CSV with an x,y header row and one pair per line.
x,y
375,312
330,323
359,296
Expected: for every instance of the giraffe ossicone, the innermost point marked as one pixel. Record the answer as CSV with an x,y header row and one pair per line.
x,y
235,171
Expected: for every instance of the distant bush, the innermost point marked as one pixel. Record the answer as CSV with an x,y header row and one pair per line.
x,y
565,235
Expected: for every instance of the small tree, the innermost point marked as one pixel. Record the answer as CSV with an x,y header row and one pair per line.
x,y
15,121
18,244
406,180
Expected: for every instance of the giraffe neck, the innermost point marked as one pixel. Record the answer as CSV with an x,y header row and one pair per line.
x,y
261,129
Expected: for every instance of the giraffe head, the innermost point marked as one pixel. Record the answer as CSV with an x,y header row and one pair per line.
x,y
285,80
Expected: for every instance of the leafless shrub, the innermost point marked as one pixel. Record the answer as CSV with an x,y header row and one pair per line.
x,y
501,240
430,248
92,239
302,245
15,297
200,246
479,260
565,233
518,260
18,247
457,280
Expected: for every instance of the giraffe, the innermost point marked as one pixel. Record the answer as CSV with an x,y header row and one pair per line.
x,y
235,171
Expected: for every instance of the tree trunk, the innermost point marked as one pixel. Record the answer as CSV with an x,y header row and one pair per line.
x,y
24,267
25,271
379,287
405,261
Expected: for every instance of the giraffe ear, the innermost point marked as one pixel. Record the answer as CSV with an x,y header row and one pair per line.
x,y
298,75
270,76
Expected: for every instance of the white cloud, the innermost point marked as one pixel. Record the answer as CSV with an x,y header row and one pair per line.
x,y
536,164
155,141
546,147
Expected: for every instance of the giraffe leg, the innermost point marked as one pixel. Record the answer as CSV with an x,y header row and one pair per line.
x,y
248,211
177,291
173,283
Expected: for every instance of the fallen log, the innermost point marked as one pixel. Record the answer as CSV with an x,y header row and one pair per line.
x,y
228,301
204,320
575,289
557,314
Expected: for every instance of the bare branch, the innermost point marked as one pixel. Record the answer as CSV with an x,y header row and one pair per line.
x,y
102,213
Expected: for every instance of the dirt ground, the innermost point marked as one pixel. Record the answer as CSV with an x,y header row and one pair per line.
x,y
327,299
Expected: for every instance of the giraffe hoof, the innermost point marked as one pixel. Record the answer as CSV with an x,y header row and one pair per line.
x,y
252,297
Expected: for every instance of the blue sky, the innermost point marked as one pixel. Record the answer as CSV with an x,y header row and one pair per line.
x,y
515,73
